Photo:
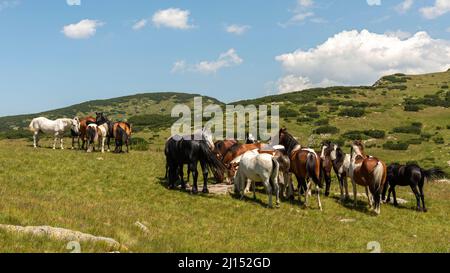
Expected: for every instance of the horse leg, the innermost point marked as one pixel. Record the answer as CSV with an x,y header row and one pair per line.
x,y
193,170
253,185
205,176
35,139
422,196
394,195
328,184
369,198
248,186
103,144
269,192
61,139
355,193
416,193
54,142
341,187
307,192
318,197
347,195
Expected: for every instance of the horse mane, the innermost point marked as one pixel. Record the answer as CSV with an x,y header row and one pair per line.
x,y
290,142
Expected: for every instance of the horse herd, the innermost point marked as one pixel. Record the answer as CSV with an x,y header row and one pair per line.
x,y
89,130
273,165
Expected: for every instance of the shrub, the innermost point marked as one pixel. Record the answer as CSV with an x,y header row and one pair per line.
x,y
152,121
375,133
288,113
322,122
412,129
352,112
304,119
326,130
439,140
309,109
354,135
313,115
412,108
395,79
426,136
399,146
414,141
139,144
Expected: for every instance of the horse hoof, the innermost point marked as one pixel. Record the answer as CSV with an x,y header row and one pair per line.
x,y
425,210
327,194
194,191
205,191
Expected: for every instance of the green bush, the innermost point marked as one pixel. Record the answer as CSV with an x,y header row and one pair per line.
x,y
288,113
375,133
412,108
313,115
414,141
326,130
304,119
139,144
352,112
308,109
439,140
354,135
412,129
399,146
322,122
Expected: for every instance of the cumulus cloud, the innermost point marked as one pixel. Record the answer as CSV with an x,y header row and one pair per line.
x,y
404,6
73,2
399,34
140,24
305,3
226,59
172,18
360,58
237,29
8,4
440,8
82,30
374,2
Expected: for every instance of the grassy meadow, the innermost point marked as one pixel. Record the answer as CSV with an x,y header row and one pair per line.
x,y
105,194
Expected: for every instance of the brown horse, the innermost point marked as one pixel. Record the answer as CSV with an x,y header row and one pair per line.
x,y
122,135
305,165
369,172
221,147
232,157
82,133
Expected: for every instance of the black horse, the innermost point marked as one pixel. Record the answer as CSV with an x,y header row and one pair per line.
x,y
409,175
180,151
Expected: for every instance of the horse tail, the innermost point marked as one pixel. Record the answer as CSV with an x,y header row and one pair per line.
x,y
275,172
216,166
379,181
31,126
90,133
433,173
313,169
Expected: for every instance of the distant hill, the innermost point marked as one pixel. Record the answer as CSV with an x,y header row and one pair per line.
x,y
401,117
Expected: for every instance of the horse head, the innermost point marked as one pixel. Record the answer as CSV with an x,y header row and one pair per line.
x,y
357,148
326,149
101,118
75,125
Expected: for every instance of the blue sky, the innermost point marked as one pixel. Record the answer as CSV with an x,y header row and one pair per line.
x,y
53,54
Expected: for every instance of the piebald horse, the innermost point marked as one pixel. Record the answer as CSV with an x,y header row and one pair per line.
x,y
57,128
305,165
104,125
334,158
369,172
82,133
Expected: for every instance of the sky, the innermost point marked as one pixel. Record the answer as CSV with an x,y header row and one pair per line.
x,y
55,53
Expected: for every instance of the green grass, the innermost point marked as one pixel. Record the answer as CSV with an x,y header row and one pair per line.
x,y
75,190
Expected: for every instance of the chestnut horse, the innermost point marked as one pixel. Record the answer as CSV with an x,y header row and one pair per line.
x,y
305,165
369,172
121,131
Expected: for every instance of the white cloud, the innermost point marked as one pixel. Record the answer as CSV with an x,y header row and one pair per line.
x,y
8,4
440,8
172,18
226,59
402,35
302,13
360,58
404,6
305,3
73,2
140,24
374,2
237,29
82,30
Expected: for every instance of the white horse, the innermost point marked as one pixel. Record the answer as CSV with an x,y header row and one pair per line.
x,y
258,168
54,127
92,136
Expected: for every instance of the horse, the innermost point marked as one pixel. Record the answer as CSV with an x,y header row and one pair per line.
x,y
122,135
369,172
258,168
305,165
82,132
409,175
104,125
91,136
284,170
189,150
334,158
221,147
55,127
233,156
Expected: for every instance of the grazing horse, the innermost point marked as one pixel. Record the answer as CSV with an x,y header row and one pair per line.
x,y
122,135
91,136
305,165
409,175
233,156
188,150
104,125
221,147
55,127
340,163
369,172
82,133
258,168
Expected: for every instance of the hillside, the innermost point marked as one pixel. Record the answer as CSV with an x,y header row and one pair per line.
x,y
401,117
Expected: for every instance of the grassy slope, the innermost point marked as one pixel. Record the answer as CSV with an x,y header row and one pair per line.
x,y
106,197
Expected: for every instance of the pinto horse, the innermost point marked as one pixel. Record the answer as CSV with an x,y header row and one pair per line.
x,y
180,151
233,156
334,158
369,172
305,165
409,175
